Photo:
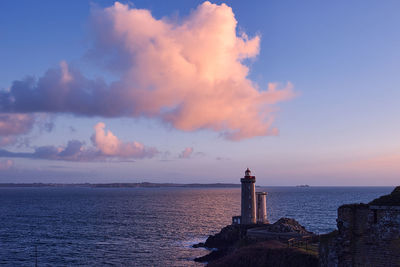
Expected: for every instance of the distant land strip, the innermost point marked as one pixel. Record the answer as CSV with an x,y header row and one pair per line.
x,y
118,185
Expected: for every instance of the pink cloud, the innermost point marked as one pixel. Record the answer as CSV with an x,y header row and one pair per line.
x,y
110,145
15,124
7,140
194,69
6,164
106,147
186,153
65,74
189,74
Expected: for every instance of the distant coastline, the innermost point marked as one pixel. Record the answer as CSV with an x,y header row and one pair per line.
x,y
159,185
303,185
119,185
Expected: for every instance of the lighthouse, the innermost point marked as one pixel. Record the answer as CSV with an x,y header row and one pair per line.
x,y
253,210
248,203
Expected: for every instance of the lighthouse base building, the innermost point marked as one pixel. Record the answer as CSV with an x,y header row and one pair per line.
x,y
253,205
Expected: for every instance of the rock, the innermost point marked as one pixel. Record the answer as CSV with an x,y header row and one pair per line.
x,y
214,255
393,199
286,225
232,239
199,245
228,235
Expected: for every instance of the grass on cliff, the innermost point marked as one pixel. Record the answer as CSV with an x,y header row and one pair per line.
x,y
311,249
268,253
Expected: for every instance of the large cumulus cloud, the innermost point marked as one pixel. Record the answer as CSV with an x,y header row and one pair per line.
x,y
189,74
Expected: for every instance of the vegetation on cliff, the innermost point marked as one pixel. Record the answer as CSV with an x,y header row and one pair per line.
x,y
268,253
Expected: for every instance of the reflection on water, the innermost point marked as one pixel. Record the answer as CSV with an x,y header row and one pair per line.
x,y
139,226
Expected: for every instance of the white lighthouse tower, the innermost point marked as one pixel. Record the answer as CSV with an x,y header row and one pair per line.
x,y
248,206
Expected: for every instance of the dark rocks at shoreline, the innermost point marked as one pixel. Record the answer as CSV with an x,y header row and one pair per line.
x,y
393,199
228,236
235,248
199,245
223,242
213,256
233,233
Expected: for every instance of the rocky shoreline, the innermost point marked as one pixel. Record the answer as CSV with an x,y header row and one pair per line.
x,y
259,245
367,235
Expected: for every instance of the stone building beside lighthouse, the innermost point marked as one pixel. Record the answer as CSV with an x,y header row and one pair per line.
x,y
253,210
261,207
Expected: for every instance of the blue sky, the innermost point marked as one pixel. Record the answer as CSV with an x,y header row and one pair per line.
x,y
342,128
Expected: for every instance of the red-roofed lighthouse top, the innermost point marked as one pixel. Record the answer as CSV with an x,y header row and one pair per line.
x,y
247,174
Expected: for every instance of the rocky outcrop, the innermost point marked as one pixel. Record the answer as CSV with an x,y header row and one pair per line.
x,y
227,236
232,244
393,199
286,225
223,242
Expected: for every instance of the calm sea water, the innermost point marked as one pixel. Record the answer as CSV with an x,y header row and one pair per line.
x,y
144,227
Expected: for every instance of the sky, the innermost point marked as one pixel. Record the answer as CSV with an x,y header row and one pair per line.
x,y
196,92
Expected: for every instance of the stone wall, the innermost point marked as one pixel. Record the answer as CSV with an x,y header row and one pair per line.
x,y
368,235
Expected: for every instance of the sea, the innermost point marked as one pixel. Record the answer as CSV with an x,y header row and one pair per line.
x,y
83,226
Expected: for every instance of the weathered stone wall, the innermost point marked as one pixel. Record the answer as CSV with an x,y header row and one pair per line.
x,y
367,236
327,250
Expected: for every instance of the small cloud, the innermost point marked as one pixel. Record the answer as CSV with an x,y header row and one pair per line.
x,y
7,140
12,124
23,142
186,153
66,76
106,147
6,164
48,126
45,122
109,145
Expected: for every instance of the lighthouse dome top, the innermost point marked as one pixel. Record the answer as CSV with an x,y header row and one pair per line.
x,y
247,172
